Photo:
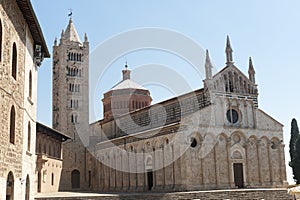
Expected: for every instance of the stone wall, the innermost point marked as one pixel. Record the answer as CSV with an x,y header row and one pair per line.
x,y
16,158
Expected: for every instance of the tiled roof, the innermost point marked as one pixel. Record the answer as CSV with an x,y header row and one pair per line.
x,y
35,29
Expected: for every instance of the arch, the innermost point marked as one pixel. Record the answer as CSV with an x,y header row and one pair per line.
x,y
12,125
236,154
27,189
30,84
10,186
1,38
275,142
75,179
29,136
242,136
14,61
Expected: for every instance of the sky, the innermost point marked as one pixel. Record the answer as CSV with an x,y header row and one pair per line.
x,y
268,31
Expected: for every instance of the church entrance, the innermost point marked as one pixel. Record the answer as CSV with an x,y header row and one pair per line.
x,y
238,175
10,186
75,179
150,179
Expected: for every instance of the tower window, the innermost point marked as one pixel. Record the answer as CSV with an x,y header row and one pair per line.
x,y
14,62
74,119
12,125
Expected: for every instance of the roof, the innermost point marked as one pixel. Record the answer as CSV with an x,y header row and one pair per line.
x,y
35,29
41,128
71,33
127,84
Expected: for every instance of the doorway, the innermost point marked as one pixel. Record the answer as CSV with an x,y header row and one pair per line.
x,y
150,179
238,175
75,179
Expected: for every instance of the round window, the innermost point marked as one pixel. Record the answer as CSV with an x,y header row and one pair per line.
x,y
232,116
193,142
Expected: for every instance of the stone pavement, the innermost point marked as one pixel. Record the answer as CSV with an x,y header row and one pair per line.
x,y
238,194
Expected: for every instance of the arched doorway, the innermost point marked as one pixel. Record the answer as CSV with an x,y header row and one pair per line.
x,y
238,175
10,186
75,179
27,190
148,167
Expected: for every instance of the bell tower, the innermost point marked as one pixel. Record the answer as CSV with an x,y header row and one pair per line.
x,y
70,114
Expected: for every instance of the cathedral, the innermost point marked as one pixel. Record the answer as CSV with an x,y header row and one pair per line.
x,y
215,137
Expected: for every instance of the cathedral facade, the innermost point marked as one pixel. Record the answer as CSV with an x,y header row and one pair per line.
x,y
215,137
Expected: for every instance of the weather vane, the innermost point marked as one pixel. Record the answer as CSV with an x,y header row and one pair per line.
x,y
70,13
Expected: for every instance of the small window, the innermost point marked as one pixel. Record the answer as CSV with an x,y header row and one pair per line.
x,y
12,125
30,85
193,142
29,137
14,61
52,179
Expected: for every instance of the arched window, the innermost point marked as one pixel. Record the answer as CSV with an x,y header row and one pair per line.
x,y
30,84
1,33
12,125
14,62
29,137
10,186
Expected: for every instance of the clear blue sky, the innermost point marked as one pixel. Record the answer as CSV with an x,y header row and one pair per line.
x,y
268,31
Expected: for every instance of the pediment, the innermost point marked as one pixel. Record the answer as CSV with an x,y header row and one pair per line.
x,y
231,79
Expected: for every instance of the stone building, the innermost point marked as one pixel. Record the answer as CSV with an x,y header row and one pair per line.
x,y
70,103
211,138
22,49
48,158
